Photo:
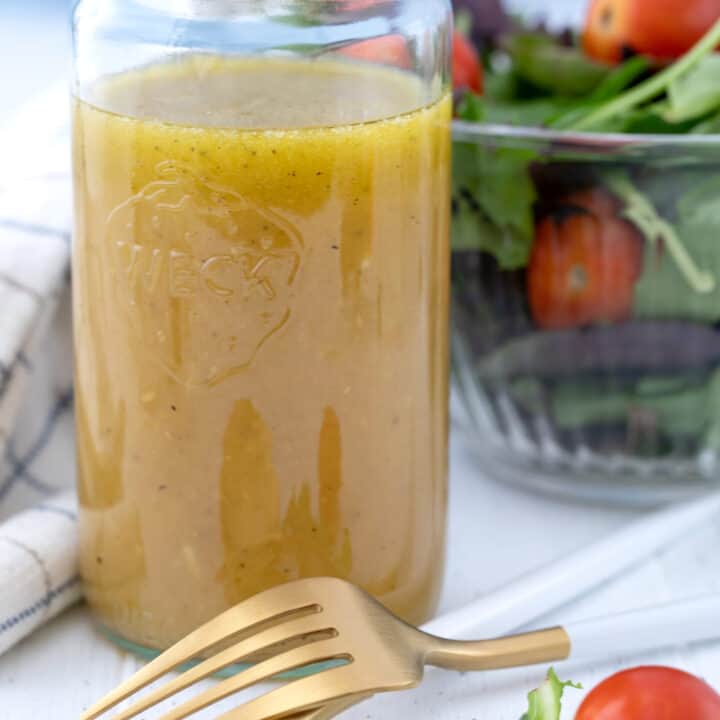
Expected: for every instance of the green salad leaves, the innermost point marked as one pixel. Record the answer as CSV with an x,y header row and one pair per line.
x,y
550,68
650,384
556,87
545,703
494,196
682,260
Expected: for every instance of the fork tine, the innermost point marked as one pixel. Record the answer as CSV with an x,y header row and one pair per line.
x,y
291,630
272,606
308,655
340,684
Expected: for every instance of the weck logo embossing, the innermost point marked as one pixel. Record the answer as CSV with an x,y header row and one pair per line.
x,y
207,275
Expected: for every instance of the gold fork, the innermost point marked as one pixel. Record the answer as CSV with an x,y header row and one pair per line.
x,y
309,622
370,650
331,619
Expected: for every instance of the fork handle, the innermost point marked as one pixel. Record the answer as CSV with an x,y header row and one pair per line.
x,y
544,646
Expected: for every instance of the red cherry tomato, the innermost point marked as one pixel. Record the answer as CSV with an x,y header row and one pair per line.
x,y
606,30
584,264
388,50
393,50
467,70
595,200
663,29
651,693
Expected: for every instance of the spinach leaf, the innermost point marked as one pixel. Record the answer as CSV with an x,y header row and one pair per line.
x,y
472,108
646,120
696,93
663,289
677,405
709,126
653,120
527,113
493,197
560,70
620,79
579,404
503,84
615,83
508,100
473,232
701,203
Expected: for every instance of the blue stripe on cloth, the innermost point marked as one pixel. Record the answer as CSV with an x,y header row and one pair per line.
x,y
32,229
69,514
20,466
34,482
16,285
43,603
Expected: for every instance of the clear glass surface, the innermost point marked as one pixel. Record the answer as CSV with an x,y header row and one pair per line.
x,y
261,291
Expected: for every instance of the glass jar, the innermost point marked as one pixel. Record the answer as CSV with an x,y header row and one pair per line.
x,y
261,273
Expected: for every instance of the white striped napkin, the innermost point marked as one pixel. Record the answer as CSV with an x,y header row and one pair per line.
x,y
38,547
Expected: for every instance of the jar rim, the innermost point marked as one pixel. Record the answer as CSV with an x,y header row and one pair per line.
x,y
598,140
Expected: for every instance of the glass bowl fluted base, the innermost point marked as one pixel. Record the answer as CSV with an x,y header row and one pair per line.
x,y
633,485
528,452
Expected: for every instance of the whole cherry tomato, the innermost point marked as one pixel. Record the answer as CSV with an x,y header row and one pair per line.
x,y
467,70
651,693
584,264
663,29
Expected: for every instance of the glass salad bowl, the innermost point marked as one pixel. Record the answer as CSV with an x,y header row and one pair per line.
x,y
586,310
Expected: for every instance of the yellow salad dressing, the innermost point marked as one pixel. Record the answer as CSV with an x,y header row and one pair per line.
x,y
261,301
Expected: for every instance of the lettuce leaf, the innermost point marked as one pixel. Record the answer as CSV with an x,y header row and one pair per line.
x,y
664,290
696,93
493,196
564,71
545,702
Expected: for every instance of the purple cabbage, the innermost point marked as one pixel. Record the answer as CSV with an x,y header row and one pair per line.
x,y
488,17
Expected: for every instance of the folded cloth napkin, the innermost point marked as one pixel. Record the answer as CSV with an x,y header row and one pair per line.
x,y
38,547
38,567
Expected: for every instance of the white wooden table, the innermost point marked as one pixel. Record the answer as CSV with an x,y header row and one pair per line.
x,y
496,533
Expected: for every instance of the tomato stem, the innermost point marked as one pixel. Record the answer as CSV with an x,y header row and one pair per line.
x,y
640,211
654,86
